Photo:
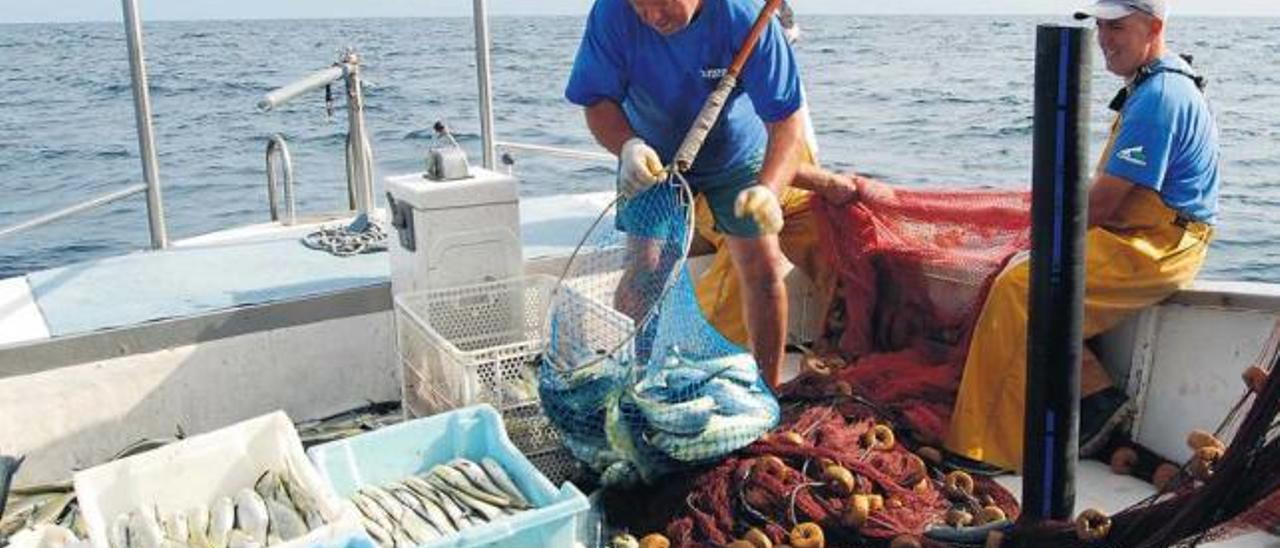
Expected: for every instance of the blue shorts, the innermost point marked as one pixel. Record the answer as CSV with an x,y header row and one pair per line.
x,y
654,213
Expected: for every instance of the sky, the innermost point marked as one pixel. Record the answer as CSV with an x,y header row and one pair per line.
x,y
17,11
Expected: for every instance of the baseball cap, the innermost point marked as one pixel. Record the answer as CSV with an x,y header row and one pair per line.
x,y
1116,9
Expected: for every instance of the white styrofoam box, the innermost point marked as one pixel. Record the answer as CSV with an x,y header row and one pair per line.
x,y
464,232
199,469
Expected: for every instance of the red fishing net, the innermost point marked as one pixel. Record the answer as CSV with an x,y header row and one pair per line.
x,y
915,267
835,465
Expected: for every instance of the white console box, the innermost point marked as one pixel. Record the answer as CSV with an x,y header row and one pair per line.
x,y
453,233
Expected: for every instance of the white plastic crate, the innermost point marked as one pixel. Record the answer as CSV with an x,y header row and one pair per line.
x,y
481,343
461,346
199,469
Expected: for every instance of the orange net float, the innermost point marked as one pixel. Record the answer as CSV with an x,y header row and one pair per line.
x,y
959,482
1255,378
1198,439
655,540
808,535
1123,460
880,438
1092,525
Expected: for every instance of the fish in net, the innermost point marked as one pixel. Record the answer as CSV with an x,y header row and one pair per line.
x,y
634,378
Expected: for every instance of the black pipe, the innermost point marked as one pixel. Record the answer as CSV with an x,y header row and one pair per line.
x,y
1058,220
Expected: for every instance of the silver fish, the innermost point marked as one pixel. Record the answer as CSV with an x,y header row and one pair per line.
x,y
380,535
426,509
373,511
490,512
476,474
459,482
723,435
144,531
241,539
500,478
455,513
251,515
306,504
285,522
175,527
198,526
222,518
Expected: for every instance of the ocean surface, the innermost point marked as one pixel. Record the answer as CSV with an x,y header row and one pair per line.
x,y
922,101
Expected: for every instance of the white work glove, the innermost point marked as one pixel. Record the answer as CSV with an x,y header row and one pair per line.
x,y
641,168
762,205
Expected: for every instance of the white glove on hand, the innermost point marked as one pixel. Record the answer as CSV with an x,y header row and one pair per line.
x,y
641,168
762,205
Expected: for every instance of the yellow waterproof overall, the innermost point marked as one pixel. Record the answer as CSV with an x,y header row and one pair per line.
x,y
1129,266
718,289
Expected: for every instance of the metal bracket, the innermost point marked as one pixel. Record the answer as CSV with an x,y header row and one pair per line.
x,y
402,220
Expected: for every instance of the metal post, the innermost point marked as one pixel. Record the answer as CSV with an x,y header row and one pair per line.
x,y
361,158
1059,217
480,12
146,135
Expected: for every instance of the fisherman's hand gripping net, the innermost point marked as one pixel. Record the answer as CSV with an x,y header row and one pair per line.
x,y
635,379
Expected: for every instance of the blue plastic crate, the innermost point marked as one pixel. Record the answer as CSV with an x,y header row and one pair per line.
x,y
395,452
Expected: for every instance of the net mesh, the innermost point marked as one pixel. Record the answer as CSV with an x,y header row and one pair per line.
x,y
634,377
794,476
914,268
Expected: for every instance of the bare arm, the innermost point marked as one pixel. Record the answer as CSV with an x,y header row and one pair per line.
x,y
785,139
1105,197
609,125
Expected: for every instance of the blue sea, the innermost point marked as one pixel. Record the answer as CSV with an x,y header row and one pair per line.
x,y
921,101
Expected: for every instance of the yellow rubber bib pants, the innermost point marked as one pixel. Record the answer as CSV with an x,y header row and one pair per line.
x,y
1128,267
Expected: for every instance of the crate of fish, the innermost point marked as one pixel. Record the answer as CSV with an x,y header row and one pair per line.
x,y
453,479
249,484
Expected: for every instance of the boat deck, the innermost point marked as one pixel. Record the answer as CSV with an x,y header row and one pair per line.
x,y
233,269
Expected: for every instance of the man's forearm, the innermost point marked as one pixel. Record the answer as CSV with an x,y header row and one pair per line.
x,y
785,139
609,125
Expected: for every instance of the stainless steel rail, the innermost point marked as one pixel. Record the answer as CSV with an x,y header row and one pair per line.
x,y
556,151
279,159
146,147
67,212
359,152
484,77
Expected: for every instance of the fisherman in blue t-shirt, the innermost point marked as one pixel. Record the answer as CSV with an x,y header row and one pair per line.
x,y
1152,207
643,71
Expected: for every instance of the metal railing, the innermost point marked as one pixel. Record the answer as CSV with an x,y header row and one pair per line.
x,y
279,159
146,147
586,155
359,152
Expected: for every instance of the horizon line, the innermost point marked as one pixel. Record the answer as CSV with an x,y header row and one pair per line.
x,y
553,15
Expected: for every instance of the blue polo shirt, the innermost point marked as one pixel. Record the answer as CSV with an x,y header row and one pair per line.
x,y
1166,140
662,81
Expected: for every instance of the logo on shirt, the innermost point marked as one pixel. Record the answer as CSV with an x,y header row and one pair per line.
x,y
1136,156
714,73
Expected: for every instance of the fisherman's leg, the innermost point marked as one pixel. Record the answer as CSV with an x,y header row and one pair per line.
x,y
986,423
718,289
640,278
1124,274
640,218
760,263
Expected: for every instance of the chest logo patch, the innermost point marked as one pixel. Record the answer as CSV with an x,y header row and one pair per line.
x,y
1134,155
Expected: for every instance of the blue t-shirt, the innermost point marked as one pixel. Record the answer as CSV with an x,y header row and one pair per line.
x,y
1166,140
662,81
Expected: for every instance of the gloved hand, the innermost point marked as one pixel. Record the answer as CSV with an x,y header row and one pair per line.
x,y
641,168
762,205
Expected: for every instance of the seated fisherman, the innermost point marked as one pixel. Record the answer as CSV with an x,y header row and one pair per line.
x,y
1152,206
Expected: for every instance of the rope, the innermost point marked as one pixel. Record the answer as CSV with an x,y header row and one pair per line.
x,y
361,236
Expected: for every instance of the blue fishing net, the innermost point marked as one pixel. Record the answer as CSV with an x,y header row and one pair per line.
x,y
634,378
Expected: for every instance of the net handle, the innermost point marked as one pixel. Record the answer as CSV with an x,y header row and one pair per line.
x,y
710,112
